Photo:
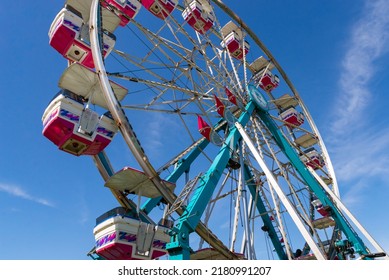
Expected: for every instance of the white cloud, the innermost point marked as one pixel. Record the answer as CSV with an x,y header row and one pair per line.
x,y
357,144
19,192
357,148
369,41
362,155
163,133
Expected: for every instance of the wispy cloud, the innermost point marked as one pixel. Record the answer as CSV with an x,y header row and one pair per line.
x,y
161,130
362,155
368,42
356,142
21,193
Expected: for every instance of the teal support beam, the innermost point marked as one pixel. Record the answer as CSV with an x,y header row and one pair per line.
x,y
187,223
310,181
178,247
182,167
250,183
104,161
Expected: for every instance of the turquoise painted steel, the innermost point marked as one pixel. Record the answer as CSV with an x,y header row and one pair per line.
x,y
179,246
102,157
310,181
183,166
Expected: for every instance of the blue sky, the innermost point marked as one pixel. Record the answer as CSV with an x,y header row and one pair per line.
x,y
335,52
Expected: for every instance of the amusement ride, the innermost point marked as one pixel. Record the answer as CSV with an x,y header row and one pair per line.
x,y
241,169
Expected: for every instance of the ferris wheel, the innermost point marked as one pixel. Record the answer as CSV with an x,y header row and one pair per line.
x,y
237,168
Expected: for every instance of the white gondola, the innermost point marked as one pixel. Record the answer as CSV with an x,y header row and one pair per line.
x,y
126,9
199,15
74,128
69,35
262,75
320,208
121,236
312,158
266,80
233,40
291,116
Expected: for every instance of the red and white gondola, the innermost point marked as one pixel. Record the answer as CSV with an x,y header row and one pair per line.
x,y
312,158
125,9
233,41
69,35
160,8
120,235
74,128
199,15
